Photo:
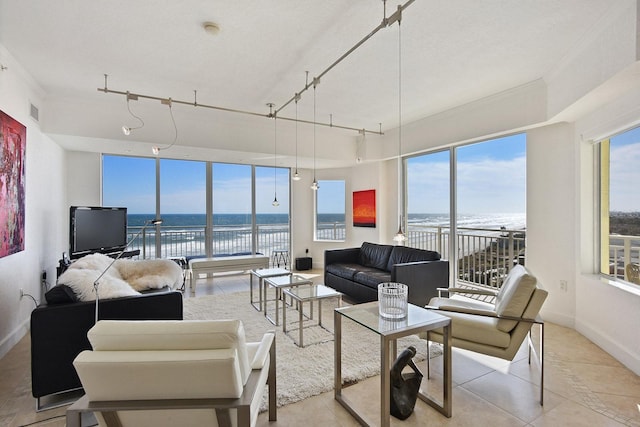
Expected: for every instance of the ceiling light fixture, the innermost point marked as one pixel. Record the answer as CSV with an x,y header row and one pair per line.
x,y
314,184
155,149
126,129
400,236
275,202
296,175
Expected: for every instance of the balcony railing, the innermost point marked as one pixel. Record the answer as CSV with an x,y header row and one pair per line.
x,y
484,255
623,250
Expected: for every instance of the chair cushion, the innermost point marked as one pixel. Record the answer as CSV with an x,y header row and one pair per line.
x,y
403,254
372,277
514,296
478,329
375,256
124,335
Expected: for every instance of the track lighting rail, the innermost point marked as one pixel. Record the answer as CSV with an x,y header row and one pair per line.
x,y
194,103
386,22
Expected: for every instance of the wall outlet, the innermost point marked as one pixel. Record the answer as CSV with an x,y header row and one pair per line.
x,y
563,285
21,293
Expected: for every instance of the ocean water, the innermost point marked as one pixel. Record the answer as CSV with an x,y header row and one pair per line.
x,y
183,234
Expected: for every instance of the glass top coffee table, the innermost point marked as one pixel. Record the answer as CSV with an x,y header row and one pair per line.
x,y
261,274
418,320
302,294
280,283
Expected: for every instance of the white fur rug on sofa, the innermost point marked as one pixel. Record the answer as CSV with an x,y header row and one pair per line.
x,y
125,277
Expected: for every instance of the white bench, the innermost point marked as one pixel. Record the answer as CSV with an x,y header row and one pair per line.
x,y
224,264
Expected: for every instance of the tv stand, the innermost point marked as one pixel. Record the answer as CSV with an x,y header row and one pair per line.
x,y
125,254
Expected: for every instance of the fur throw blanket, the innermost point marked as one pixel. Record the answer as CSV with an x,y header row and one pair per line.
x,y
125,277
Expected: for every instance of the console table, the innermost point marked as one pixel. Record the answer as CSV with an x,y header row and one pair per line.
x,y
418,320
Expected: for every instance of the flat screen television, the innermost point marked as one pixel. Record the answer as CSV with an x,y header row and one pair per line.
x,y
97,229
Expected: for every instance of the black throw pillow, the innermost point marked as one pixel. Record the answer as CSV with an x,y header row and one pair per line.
x,y
60,294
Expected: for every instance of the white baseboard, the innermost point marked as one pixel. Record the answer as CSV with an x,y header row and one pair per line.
x,y
618,350
14,337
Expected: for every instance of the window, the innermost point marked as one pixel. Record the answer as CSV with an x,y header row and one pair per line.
x,y
232,218
482,233
229,213
130,182
183,207
330,210
272,221
620,204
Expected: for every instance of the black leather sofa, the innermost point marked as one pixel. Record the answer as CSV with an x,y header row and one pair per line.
x,y
356,272
59,334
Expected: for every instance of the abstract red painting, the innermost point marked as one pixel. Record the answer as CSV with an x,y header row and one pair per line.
x,y
364,208
13,139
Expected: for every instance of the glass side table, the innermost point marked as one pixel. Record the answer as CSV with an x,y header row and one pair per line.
x,y
302,294
418,320
279,283
261,274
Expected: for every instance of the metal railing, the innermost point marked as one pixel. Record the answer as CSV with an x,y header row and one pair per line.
x,y
184,241
484,255
623,250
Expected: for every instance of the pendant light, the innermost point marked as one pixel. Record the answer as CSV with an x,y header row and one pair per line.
x,y
400,236
314,185
155,149
275,202
296,175
126,129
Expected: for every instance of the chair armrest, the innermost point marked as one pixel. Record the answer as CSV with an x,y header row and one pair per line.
x,y
484,313
468,291
259,354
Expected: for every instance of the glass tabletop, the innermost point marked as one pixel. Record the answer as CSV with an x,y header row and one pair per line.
x,y
315,292
286,281
270,272
368,316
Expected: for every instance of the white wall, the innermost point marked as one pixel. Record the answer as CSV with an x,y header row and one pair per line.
x,y
45,207
551,214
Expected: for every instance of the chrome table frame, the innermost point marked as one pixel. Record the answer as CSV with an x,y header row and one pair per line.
x,y
261,274
390,331
328,293
276,283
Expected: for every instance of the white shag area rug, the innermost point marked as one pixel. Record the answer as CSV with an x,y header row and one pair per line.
x,y
308,371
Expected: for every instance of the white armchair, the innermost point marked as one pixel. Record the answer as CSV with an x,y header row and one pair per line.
x,y
495,329
168,373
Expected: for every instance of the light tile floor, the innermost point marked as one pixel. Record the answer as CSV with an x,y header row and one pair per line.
x,y
584,386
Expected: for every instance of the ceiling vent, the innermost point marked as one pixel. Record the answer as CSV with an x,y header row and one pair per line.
x,y
34,112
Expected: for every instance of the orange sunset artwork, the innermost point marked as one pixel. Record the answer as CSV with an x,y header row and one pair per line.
x,y
364,208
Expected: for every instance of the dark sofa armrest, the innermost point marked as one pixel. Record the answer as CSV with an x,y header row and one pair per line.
x,y
59,333
423,279
342,256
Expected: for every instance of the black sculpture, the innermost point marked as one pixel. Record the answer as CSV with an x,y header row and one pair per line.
x,y
404,387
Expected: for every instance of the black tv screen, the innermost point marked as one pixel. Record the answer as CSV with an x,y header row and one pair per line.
x,y
97,229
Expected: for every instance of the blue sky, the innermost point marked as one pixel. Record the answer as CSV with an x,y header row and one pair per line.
x,y
491,180
625,172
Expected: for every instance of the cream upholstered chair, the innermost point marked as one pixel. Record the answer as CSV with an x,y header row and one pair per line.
x,y
495,329
174,373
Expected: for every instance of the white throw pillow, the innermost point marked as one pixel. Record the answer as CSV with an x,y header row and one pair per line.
x,y
81,281
150,274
